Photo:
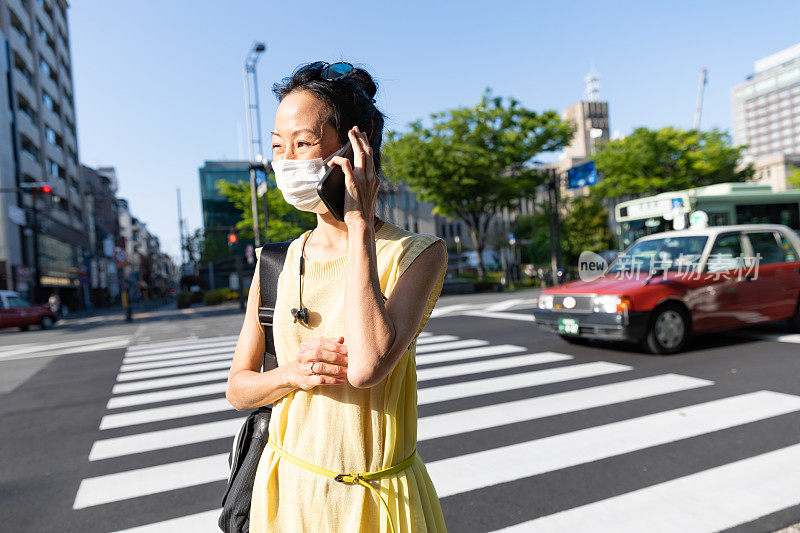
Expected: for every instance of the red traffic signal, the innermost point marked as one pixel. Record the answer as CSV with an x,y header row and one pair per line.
x,y
232,238
46,189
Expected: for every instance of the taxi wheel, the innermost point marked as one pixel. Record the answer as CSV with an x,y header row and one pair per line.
x,y
575,340
667,331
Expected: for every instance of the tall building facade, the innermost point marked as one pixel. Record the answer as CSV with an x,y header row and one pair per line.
x,y
38,143
766,107
219,214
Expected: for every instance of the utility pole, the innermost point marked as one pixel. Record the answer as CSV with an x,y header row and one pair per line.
x,y
555,225
180,229
254,137
699,110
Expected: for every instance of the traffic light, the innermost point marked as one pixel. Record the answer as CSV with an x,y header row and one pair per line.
x,y
232,239
46,189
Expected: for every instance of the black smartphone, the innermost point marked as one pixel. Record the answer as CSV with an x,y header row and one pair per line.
x,y
331,187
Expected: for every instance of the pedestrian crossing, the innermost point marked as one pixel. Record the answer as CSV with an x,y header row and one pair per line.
x,y
47,349
170,397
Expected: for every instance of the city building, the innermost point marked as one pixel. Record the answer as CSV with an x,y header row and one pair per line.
x,y
776,170
103,226
38,144
220,215
766,107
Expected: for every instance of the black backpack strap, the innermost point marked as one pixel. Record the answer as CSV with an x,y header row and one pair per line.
x,y
272,257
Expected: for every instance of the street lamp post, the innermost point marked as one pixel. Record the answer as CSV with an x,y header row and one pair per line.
x,y
458,251
249,69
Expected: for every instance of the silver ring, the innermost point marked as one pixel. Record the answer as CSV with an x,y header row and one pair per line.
x,y
312,368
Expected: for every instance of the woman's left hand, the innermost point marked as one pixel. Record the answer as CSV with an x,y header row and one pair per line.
x,y
361,181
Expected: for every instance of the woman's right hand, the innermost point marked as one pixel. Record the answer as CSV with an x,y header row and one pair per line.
x,y
328,355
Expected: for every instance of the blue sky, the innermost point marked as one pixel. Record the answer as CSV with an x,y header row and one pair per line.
x,y
159,88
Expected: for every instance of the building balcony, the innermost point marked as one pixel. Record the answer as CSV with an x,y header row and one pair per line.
x,y
20,47
27,128
24,87
30,167
21,12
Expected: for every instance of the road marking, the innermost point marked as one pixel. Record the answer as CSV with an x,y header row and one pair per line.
x,y
446,424
178,355
455,308
442,346
712,500
167,438
175,362
188,343
31,347
490,365
163,396
435,338
504,316
151,480
170,412
183,369
777,337
121,388
504,305
196,523
482,469
458,355
516,381
110,345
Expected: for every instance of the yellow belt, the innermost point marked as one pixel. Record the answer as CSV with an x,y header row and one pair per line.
x,y
360,478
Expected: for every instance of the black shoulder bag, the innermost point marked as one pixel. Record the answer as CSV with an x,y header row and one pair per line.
x,y
249,443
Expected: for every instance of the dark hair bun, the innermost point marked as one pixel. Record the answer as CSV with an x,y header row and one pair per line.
x,y
365,81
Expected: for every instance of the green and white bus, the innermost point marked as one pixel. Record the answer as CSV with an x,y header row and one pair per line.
x,y
714,205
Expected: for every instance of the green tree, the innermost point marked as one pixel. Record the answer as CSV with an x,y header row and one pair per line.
x,y
585,227
474,161
793,179
533,234
285,222
654,161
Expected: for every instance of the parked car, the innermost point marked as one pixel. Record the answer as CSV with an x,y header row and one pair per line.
x,y
15,311
668,286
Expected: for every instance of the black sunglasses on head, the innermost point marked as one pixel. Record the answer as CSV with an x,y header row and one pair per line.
x,y
329,71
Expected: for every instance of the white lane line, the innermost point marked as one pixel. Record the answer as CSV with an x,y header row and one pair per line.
x,y
453,309
66,351
185,344
497,314
435,338
129,367
179,354
488,366
425,334
504,305
151,480
167,438
516,381
183,369
446,424
712,500
158,414
121,388
791,337
459,355
33,347
481,469
455,345
195,523
163,396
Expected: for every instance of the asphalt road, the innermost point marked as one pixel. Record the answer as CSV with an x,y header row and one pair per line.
x,y
108,425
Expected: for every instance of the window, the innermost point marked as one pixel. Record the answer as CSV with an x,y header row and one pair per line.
x,y
726,253
49,103
54,169
25,108
16,301
22,68
19,28
766,248
54,138
29,149
48,70
790,254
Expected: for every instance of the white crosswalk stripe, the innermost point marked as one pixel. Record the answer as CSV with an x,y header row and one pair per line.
x,y
180,387
33,350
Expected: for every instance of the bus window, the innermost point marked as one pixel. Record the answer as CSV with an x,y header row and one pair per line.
x,y
786,214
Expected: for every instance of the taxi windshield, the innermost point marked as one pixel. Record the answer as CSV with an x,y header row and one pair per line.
x,y
677,254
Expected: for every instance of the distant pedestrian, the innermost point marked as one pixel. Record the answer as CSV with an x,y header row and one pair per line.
x,y
55,303
340,409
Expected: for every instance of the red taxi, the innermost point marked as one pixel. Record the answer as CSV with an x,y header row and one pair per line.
x,y
670,285
15,311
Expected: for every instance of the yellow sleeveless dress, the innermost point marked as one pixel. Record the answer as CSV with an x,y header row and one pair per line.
x,y
340,427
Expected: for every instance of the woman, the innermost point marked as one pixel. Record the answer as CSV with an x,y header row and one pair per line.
x,y
345,388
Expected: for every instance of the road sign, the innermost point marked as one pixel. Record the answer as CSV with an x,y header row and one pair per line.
x,y
249,253
582,175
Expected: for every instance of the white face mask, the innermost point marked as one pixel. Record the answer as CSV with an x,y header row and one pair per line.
x,y
297,180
